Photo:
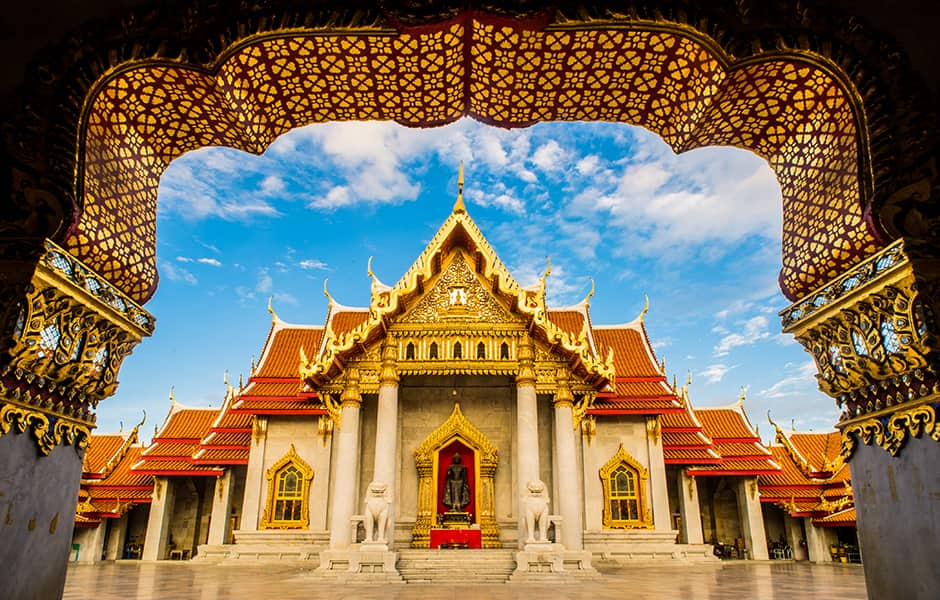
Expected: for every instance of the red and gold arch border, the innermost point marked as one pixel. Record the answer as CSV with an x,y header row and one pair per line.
x,y
792,108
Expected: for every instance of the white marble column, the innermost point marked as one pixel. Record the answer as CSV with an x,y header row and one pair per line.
x,y
794,531
659,492
91,543
566,461
818,540
752,518
386,433
344,501
527,428
689,509
254,477
158,526
115,544
220,521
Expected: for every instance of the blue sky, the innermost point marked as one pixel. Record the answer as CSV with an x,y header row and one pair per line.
x,y
699,233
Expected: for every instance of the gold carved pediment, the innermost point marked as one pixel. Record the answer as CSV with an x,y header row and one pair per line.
x,y
458,296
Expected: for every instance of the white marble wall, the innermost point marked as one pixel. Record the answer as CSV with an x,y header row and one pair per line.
x,y
611,432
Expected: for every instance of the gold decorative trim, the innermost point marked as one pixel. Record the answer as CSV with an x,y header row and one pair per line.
x,y
622,457
457,426
306,471
901,426
48,431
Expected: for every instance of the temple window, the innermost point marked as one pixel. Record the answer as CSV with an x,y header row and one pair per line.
x,y
410,351
481,350
288,492
504,351
624,483
458,351
432,351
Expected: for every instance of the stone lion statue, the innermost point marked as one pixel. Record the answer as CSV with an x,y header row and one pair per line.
x,y
535,504
376,520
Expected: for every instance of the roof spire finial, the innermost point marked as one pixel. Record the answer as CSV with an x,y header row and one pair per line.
x,y
225,378
172,399
459,206
241,382
548,271
776,427
120,426
274,318
587,299
326,292
646,308
742,397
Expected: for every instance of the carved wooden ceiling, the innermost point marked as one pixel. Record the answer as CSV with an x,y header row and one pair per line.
x,y
790,108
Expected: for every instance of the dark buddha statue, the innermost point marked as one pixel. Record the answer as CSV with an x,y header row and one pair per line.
x,y
456,486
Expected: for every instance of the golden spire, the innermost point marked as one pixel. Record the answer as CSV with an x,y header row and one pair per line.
x,y
587,299
742,398
274,318
172,399
646,308
548,271
459,206
326,292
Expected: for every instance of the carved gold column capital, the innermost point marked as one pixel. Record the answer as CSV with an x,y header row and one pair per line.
x,y
654,430
563,395
351,396
526,355
873,333
389,372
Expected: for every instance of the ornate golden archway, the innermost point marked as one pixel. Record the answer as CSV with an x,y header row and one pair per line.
x,y
456,427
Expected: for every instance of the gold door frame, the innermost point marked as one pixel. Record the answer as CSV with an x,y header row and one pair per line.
x,y
426,460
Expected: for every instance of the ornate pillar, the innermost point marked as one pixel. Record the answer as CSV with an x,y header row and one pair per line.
x,y
569,501
874,335
158,525
64,333
527,427
344,501
116,537
689,510
752,518
386,432
252,505
220,523
658,490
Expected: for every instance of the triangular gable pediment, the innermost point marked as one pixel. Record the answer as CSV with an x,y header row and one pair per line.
x,y
457,295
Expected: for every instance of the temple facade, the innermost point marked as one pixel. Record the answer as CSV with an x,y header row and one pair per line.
x,y
458,410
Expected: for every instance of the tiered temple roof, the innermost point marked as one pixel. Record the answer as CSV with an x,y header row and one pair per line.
x,y
735,441
814,481
108,487
176,442
229,438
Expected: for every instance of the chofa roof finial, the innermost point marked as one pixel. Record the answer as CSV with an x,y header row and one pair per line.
x,y
459,206
274,317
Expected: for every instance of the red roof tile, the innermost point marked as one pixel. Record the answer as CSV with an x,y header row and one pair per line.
x,y
569,321
188,423
288,389
221,457
690,456
261,406
281,355
345,320
633,357
724,423
101,449
845,518
817,448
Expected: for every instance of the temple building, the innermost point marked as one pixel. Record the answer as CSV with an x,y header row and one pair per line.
x,y
458,411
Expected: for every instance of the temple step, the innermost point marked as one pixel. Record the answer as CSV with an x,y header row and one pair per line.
x,y
441,566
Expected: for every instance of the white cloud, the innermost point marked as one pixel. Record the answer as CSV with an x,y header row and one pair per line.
x,y
549,157
272,184
175,273
265,282
209,261
753,330
312,264
801,382
715,373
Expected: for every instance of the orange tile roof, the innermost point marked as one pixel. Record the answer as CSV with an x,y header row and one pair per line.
x,y
113,494
790,475
345,320
633,356
232,420
644,389
262,406
288,389
101,449
735,467
817,448
281,355
741,449
122,476
569,321
158,449
684,438
222,457
845,518
725,423
175,467
188,424
641,405
240,439
679,420
690,456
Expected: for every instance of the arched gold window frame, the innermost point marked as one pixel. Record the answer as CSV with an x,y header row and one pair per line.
x,y
645,520
306,472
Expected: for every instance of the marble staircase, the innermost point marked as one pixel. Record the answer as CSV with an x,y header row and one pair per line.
x,y
267,545
442,566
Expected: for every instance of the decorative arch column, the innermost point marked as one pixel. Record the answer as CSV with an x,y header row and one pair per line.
x,y
456,427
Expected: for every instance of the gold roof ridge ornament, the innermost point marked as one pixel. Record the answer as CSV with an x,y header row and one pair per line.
x,y
795,455
646,308
459,206
274,317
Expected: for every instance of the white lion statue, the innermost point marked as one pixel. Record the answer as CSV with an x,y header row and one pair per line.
x,y
377,501
535,504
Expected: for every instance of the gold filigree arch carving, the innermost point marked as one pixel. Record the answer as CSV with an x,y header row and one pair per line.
x,y
644,514
456,427
795,108
268,520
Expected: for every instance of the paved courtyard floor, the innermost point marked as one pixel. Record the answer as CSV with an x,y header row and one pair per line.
x,y
743,580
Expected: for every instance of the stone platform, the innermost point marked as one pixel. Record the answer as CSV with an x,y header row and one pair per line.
x,y
446,566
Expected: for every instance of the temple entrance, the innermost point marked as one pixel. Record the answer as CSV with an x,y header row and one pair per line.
x,y
456,464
